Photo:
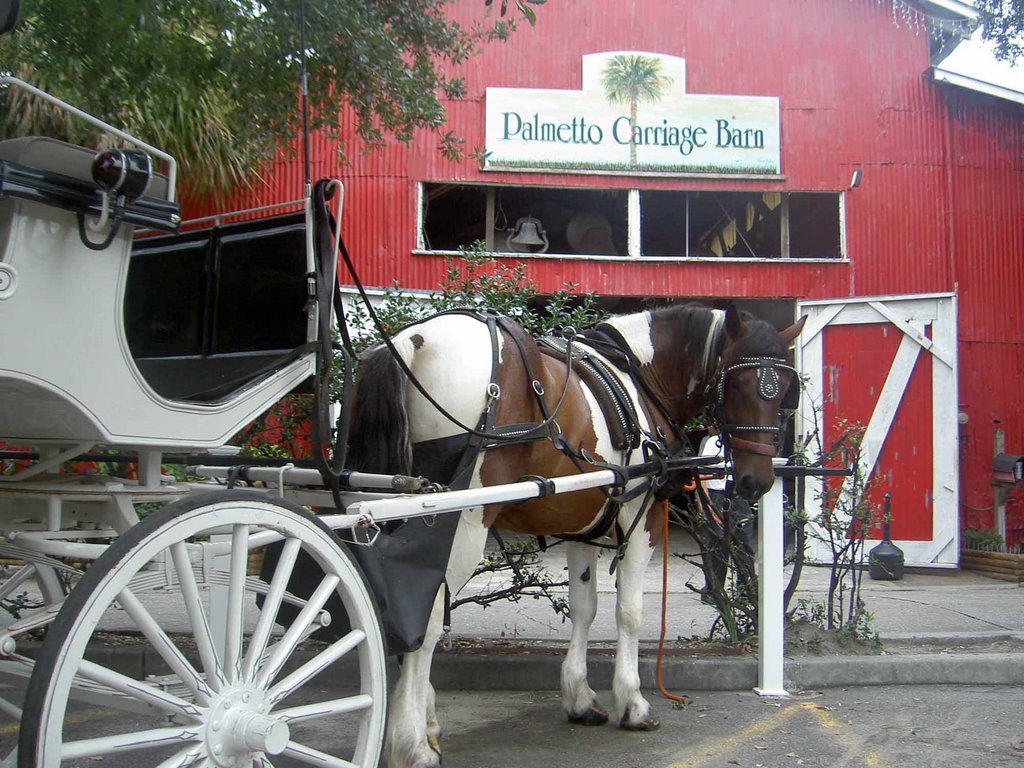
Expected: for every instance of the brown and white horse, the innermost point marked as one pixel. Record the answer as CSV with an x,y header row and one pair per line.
x,y
485,375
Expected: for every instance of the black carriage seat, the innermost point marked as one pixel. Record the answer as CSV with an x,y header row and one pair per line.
x,y
210,312
57,173
206,313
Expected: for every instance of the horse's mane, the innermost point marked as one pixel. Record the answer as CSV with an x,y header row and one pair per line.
x,y
696,321
699,325
761,338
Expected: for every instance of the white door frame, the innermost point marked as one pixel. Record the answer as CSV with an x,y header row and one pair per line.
x,y
910,314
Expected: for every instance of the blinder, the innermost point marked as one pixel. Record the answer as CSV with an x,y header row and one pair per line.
x,y
768,388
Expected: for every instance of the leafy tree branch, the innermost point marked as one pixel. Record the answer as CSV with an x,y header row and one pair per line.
x,y
216,82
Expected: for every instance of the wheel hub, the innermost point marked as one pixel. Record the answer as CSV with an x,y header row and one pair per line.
x,y
238,728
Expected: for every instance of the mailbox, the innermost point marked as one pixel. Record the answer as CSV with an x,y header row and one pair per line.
x,y
1008,469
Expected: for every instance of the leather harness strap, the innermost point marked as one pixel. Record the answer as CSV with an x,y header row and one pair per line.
x,y
607,339
768,388
749,446
615,403
618,409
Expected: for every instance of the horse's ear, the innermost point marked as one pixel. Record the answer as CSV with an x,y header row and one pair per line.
x,y
734,325
788,334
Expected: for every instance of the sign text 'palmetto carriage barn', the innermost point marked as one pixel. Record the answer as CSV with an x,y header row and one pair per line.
x,y
818,157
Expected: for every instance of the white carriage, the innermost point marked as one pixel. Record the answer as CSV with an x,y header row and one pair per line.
x,y
112,343
70,383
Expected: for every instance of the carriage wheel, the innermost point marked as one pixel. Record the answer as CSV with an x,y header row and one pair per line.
x,y
251,697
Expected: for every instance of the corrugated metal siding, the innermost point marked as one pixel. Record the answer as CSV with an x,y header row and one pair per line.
x,y
939,208
987,141
990,398
987,240
844,105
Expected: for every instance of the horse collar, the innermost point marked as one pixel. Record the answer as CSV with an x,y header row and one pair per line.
x,y
609,341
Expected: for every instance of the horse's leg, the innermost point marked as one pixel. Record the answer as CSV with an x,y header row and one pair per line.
x,y
413,736
406,745
433,726
467,552
631,709
578,697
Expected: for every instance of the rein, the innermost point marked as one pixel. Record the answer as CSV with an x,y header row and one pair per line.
x,y
491,318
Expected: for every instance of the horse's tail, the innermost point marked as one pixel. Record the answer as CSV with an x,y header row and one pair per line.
x,y
379,433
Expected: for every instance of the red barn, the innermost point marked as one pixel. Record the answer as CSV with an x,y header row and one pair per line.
x,y
801,156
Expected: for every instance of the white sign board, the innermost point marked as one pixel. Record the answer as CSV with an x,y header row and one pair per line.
x,y
632,115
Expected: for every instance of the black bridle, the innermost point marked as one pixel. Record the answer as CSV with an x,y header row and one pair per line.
x,y
769,387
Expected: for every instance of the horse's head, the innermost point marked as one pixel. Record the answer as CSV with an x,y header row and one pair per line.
x,y
752,380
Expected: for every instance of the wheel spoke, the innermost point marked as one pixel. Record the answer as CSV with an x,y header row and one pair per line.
x,y
271,605
315,666
293,636
333,707
188,756
20,576
164,645
138,689
197,616
236,601
127,742
311,756
171,714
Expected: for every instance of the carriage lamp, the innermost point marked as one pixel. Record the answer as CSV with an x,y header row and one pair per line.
x,y
123,175
124,172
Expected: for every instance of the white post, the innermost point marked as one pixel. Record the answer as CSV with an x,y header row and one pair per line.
x,y
771,644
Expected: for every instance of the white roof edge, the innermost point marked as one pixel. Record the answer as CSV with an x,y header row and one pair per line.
x,y
955,6
953,78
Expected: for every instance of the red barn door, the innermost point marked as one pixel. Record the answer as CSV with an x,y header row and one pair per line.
x,y
888,365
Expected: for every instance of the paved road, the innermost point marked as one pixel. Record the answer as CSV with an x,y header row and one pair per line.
x,y
887,727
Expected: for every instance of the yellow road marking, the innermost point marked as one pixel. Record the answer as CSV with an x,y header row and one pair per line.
x,y
829,721
752,731
759,728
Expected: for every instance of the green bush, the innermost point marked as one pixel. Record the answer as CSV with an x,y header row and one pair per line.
x,y
982,538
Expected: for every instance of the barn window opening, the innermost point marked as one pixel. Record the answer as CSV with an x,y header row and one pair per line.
x,y
592,222
814,225
660,223
753,225
456,215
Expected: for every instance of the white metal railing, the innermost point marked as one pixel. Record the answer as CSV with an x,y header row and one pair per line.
x,y
172,164
770,537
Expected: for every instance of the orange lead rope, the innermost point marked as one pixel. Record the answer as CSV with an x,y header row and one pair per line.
x,y
664,595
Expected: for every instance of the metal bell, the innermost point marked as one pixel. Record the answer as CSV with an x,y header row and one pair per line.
x,y
529,233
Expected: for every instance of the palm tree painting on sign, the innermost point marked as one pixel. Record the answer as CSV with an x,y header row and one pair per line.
x,y
631,79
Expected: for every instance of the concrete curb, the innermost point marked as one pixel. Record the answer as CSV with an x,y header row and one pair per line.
x,y
912,669
539,668
537,671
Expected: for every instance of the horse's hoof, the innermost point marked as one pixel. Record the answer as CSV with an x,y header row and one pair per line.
x,y
650,724
432,758
434,744
591,716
